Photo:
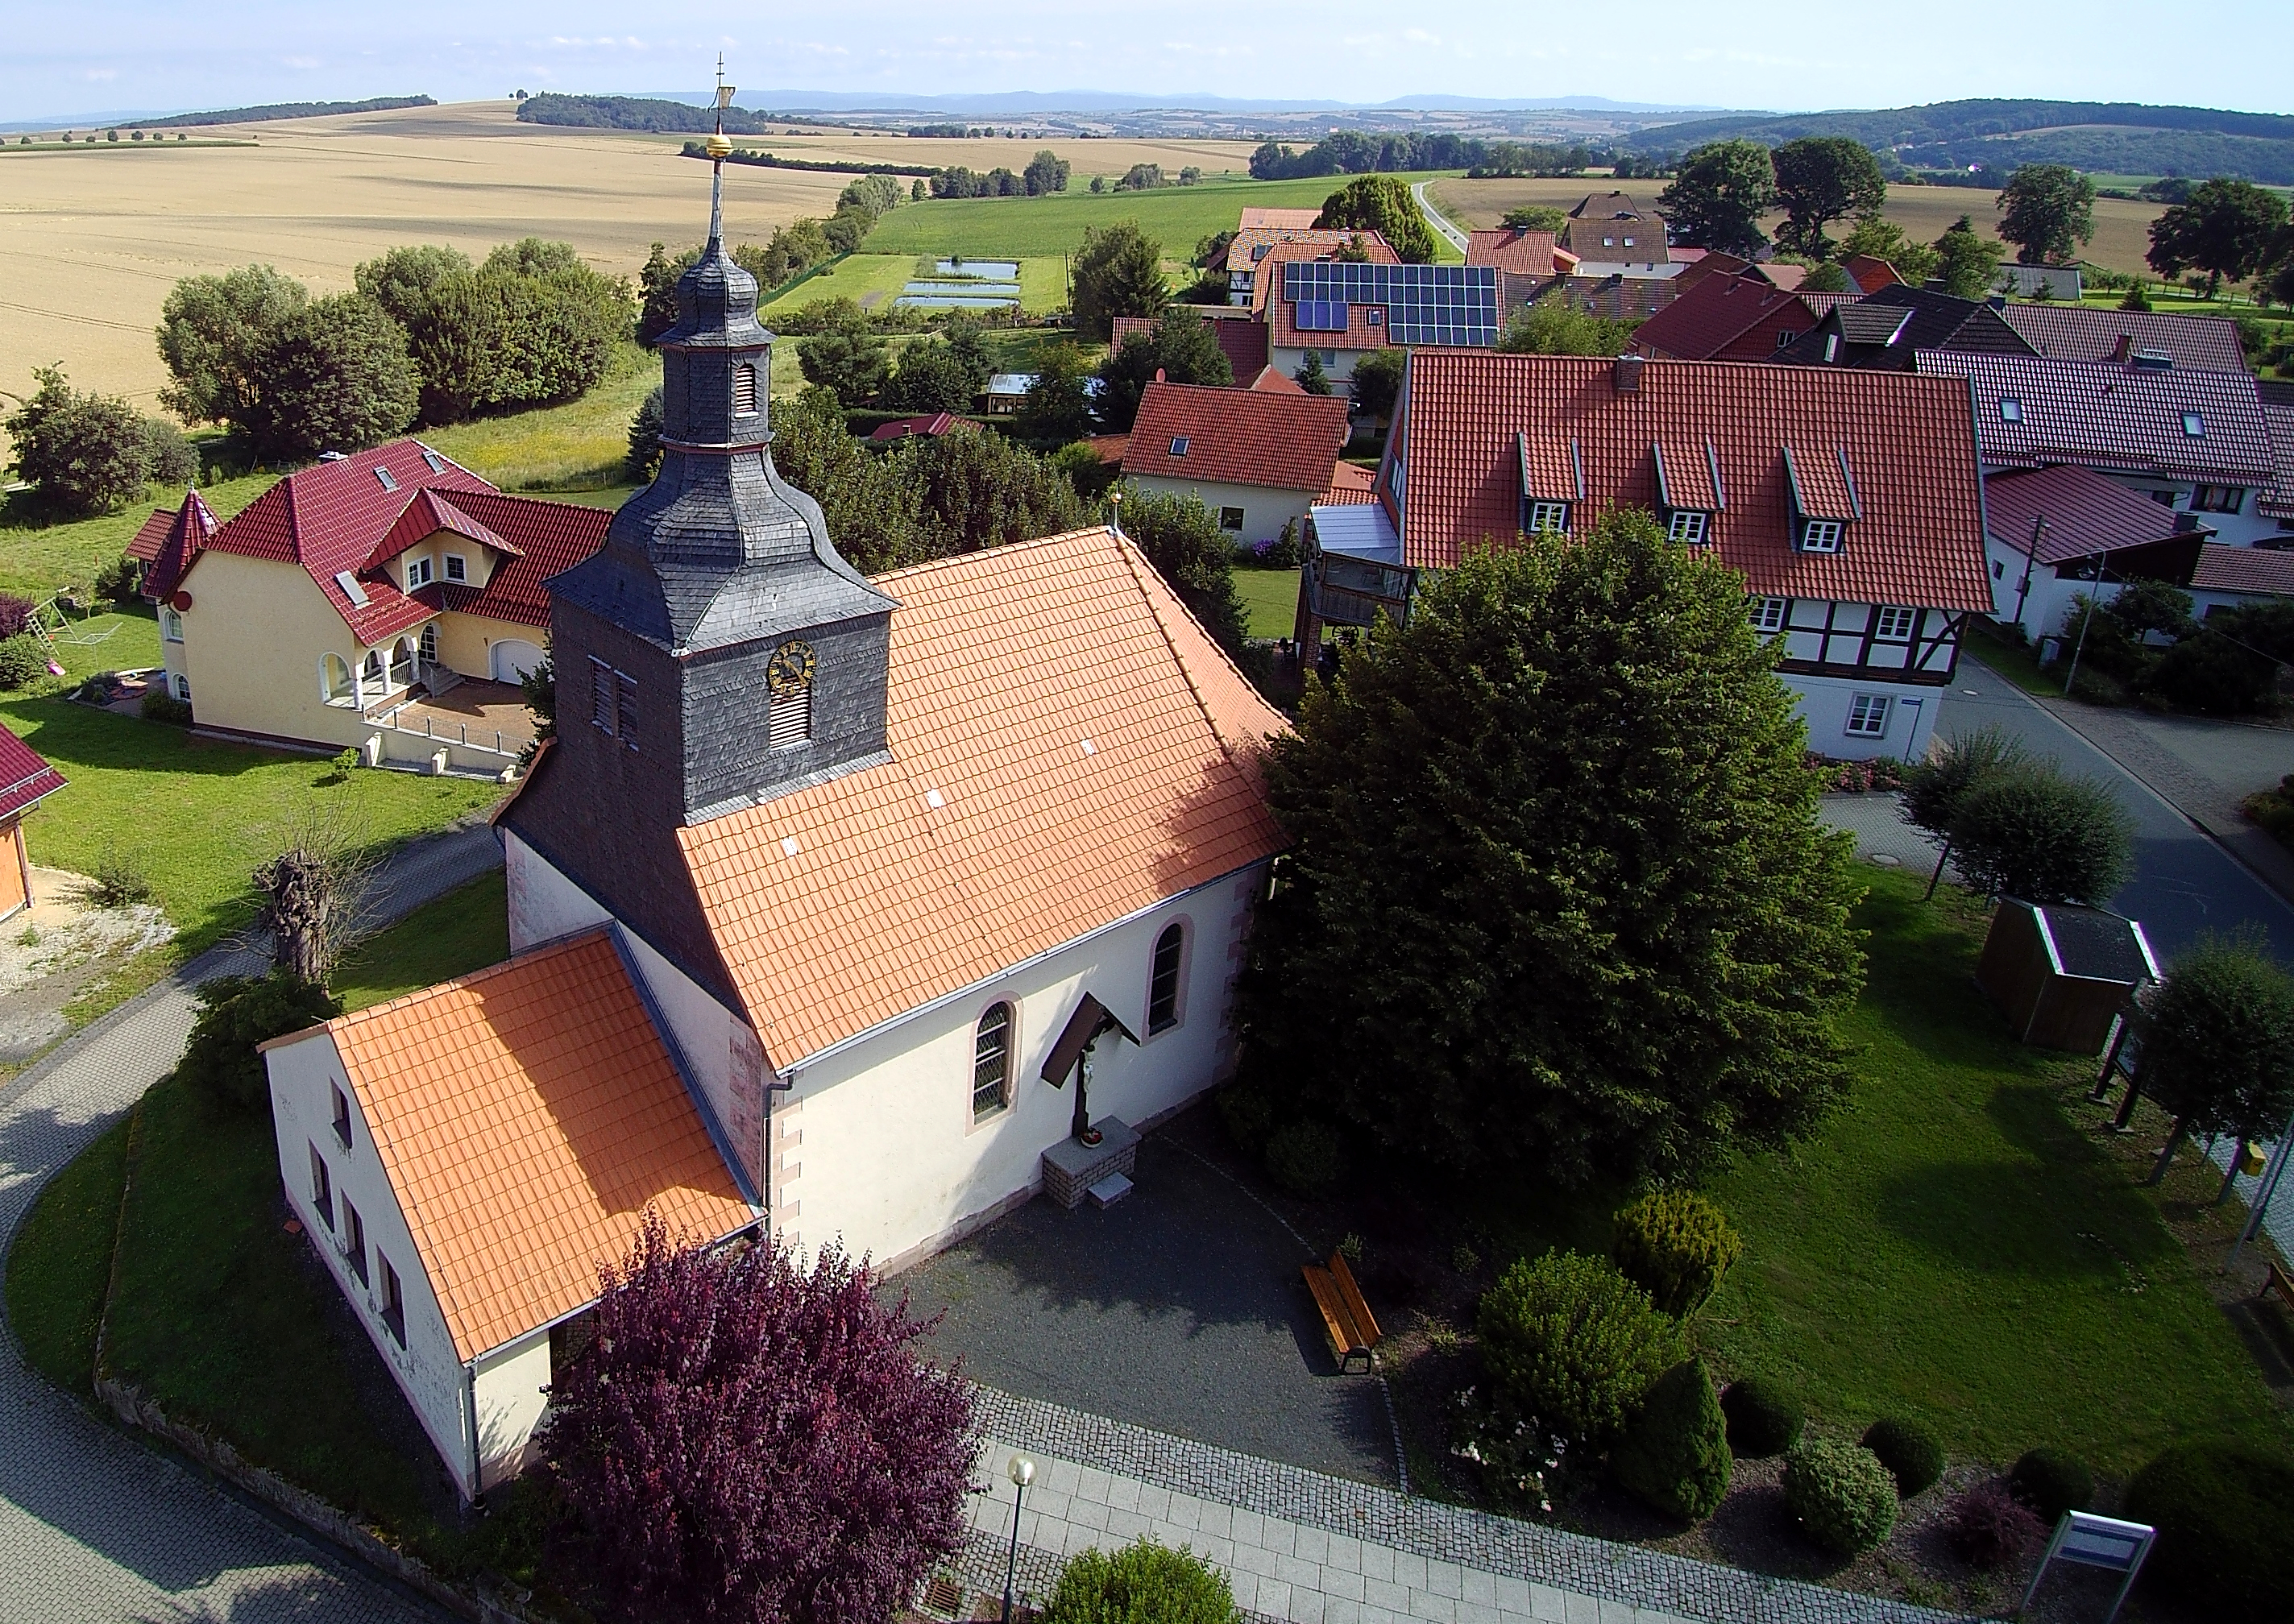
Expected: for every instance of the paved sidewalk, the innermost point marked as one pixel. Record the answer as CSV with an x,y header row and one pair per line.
x,y
93,1525
1303,1548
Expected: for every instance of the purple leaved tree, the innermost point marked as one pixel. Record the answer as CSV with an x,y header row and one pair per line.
x,y
749,1442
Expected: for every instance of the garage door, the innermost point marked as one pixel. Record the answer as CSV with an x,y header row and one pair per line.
x,y
513,659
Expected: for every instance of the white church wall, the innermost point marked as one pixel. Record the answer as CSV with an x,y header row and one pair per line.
x,y
507,1386
427,1368
875,1143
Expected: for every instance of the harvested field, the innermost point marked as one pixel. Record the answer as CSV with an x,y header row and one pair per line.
x,y
2122,236
96,237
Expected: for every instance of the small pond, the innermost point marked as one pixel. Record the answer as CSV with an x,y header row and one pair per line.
x,y
988,269
980,289
950,302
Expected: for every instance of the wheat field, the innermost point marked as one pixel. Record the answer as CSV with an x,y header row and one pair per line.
x,y
93,238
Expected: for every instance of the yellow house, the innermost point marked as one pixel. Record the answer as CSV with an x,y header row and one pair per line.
x,y
388,601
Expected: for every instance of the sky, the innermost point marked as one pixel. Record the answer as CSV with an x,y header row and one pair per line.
x,y
68,58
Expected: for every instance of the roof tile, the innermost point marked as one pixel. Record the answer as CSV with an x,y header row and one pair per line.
x,y
1282,442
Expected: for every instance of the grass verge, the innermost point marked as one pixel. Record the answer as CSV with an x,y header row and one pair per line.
x,y
61,1261
465,929
2017,661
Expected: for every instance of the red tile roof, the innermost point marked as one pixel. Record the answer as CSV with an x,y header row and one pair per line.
x,y
2080,332
1714,314
1281,219
1523,252
931,427
2115,419
168,542
2262,571
25,777
1782,275
1869,272
1350,485
1470,422
1251,244
339,518
2276,499
1237,437
1242,339
548,538
1270,381
1266,282
2084,513
1069,747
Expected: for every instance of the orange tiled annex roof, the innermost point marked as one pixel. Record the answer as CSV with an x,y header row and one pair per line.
x,y
1091,752
1280,440
527,1116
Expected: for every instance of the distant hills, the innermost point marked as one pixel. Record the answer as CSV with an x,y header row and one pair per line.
x,y
1016,103
285,109
2102,137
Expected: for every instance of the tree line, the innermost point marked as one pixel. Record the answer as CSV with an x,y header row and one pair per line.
x,y
1046,173
1356,152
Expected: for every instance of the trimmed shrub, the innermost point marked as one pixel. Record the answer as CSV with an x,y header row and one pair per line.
x,y
1144,1583
2225,1513
1675,1455
1675,1244
1575,1343
236,1013
1909,1451
1306,1157
115,582
160,706
22,661
1990,1529
1841,1494
1764,1420
2051,1483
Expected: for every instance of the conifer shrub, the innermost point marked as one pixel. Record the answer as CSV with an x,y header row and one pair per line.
x,y
1675,1244
2225,1513
22,661
2052,1482
1909,1451
1841,1494
1144,1583
1989,1529
1574,1344
1675,1455
1764,1420
236,1013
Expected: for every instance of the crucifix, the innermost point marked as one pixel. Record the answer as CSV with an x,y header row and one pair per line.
x,y
1091,1021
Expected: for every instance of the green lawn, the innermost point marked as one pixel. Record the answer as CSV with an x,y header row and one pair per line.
x,y
1957,1245
61,1258
578,446
37,560
851,276
1177,216
1270,601
463,931
199,815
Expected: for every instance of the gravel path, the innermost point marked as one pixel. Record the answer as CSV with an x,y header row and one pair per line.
x,y
93,1525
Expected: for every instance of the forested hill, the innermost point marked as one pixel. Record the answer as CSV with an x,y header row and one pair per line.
x,y
638,113
2108,137
282,110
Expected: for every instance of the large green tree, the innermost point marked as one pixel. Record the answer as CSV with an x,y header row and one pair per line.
x,y
2225,228
1117,271
214,331
1965,261
335,377
1057,407
1382,203
1883,238
2217,1043
1820,179
1559,901
1375,384
1194,557
81,453
1182,347
855,367
2024,828
1719,194
1552,325
2047,211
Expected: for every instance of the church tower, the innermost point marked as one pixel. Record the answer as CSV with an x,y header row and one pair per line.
x,y
718,651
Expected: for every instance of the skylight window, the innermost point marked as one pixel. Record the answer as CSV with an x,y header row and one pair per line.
x,y
1179,444
2011,409
388,484
2193,425
349,583
437,463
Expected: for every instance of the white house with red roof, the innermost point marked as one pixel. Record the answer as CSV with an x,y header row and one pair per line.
x,y
388,601
1849,501
2056,532
1258,459
26,780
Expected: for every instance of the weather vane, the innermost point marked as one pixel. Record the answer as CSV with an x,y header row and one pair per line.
x,y
720,148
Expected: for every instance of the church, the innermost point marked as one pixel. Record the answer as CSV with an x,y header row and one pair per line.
x,y
829,901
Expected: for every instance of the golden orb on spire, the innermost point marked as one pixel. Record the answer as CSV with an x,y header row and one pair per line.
x,y
719,146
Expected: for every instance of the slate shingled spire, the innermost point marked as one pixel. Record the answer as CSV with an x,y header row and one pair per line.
x,y
717,652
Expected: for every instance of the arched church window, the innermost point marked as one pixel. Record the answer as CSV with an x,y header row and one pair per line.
x,y
745,390
1163,982
788,695
991,1062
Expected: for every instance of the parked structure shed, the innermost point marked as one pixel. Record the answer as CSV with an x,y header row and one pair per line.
x,y
2062,974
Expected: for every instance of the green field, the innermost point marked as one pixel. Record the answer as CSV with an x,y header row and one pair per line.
x,y
1176,217
1270,601
853,276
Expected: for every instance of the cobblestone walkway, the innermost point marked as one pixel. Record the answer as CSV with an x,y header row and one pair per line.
x,y
1304,1548
94,1526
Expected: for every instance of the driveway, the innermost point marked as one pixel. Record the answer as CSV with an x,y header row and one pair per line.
x,y
1180,1309
95,1525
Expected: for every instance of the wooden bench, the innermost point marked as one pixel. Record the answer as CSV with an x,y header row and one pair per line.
x,y
1347,1318
2280,1283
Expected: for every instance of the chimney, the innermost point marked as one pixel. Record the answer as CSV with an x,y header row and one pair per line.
x,y
1627,375
2124,349
1160,378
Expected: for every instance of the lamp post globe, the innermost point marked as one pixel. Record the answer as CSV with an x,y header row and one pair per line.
x,y
1021,1470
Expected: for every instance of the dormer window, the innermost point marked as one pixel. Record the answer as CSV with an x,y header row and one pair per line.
x,y
458,568
2193,425
1549,517
1688,526
1820,535
2011,409
745,390
1179,444
418,573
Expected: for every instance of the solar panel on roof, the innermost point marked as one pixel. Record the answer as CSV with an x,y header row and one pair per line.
x,y
1321,316
1454,305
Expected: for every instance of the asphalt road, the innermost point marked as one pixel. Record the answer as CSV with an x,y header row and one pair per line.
x,y
2184,884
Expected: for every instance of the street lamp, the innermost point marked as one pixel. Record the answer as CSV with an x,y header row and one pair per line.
x,y
1021,1472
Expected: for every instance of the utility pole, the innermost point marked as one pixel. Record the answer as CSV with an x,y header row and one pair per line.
x,y
2031,563
2071,676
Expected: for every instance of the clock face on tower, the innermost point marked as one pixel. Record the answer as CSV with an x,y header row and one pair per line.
x,y
791,667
